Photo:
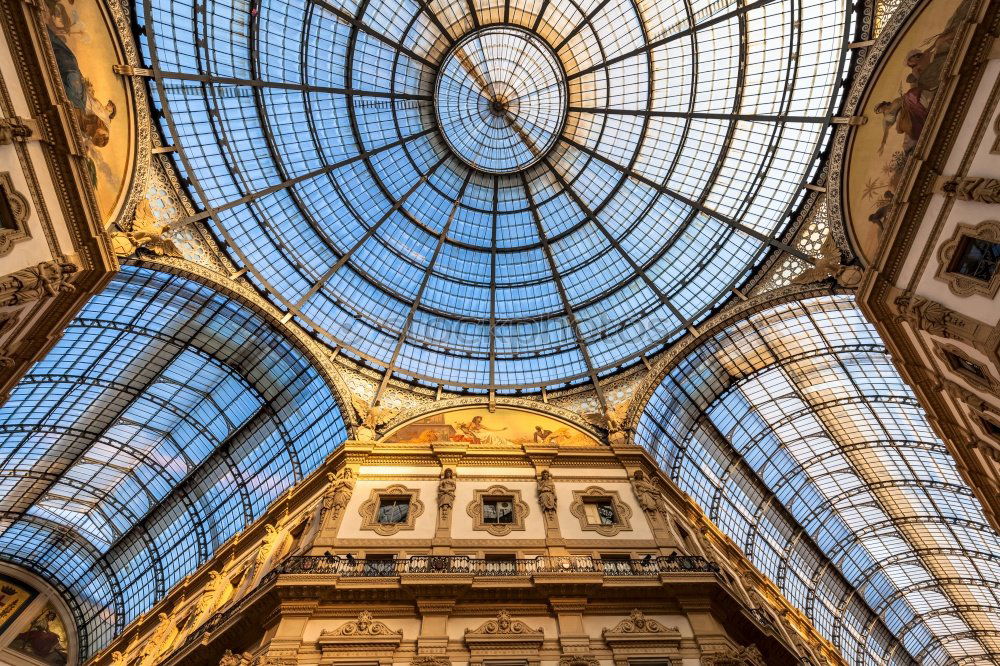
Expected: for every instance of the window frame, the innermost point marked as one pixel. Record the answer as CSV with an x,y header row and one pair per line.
x,y
370,509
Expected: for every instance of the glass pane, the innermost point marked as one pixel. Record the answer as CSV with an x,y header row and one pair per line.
x,y
395,510
977,258
606,513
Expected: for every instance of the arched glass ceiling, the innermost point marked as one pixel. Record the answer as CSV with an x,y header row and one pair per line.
x,y
799,438
162,423
309,131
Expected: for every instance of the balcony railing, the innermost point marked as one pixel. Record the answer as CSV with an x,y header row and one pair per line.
x,y
459,564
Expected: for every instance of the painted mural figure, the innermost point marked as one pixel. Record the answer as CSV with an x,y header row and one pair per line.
x,y
906,114
480,434
94,115
44,639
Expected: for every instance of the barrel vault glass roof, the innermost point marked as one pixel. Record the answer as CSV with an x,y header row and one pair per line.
x,y
797,436
309,134
162,423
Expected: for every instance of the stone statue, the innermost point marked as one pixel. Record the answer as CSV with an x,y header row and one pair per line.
x,y
646,493
229,659
370,418
117,659
611,419
267,545
343,487
43,280
446,493
159,642
217,592
983,190
547,493
147,233
828,265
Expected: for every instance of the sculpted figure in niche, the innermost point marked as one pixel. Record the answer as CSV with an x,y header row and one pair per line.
x,y
159,642
647,494
446,493
547,493
44,280
217,592
343,487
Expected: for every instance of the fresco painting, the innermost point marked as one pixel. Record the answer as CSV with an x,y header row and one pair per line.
x,y
14,598
83,47
897,110
480,427
44,639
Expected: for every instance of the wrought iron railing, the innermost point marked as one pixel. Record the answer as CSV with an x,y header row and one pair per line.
x,y
460,564
457,564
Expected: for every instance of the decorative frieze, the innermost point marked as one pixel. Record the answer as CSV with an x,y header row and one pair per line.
x,y
968,188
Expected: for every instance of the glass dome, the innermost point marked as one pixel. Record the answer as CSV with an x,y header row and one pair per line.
x,y
497,194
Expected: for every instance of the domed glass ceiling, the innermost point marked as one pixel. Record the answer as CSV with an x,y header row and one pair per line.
x,y
497,194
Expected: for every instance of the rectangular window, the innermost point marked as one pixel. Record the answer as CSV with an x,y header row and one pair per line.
x,y
976,258
962,364
498,510
393,510
991,427
600,512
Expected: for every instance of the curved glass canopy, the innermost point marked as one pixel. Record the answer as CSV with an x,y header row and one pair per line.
x,y
163,422
797,436
497,194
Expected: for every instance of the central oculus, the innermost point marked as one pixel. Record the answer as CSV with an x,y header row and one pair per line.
x,y
500,99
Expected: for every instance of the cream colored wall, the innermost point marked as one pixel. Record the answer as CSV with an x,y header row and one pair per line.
x,y
570,525
423,528
462,523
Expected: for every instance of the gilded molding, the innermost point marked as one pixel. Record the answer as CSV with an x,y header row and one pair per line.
x,y
369,510
475,511
504,625
963,285
622,511
579,660
735,656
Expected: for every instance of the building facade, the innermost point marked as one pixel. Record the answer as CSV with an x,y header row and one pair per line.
x,y
535,544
